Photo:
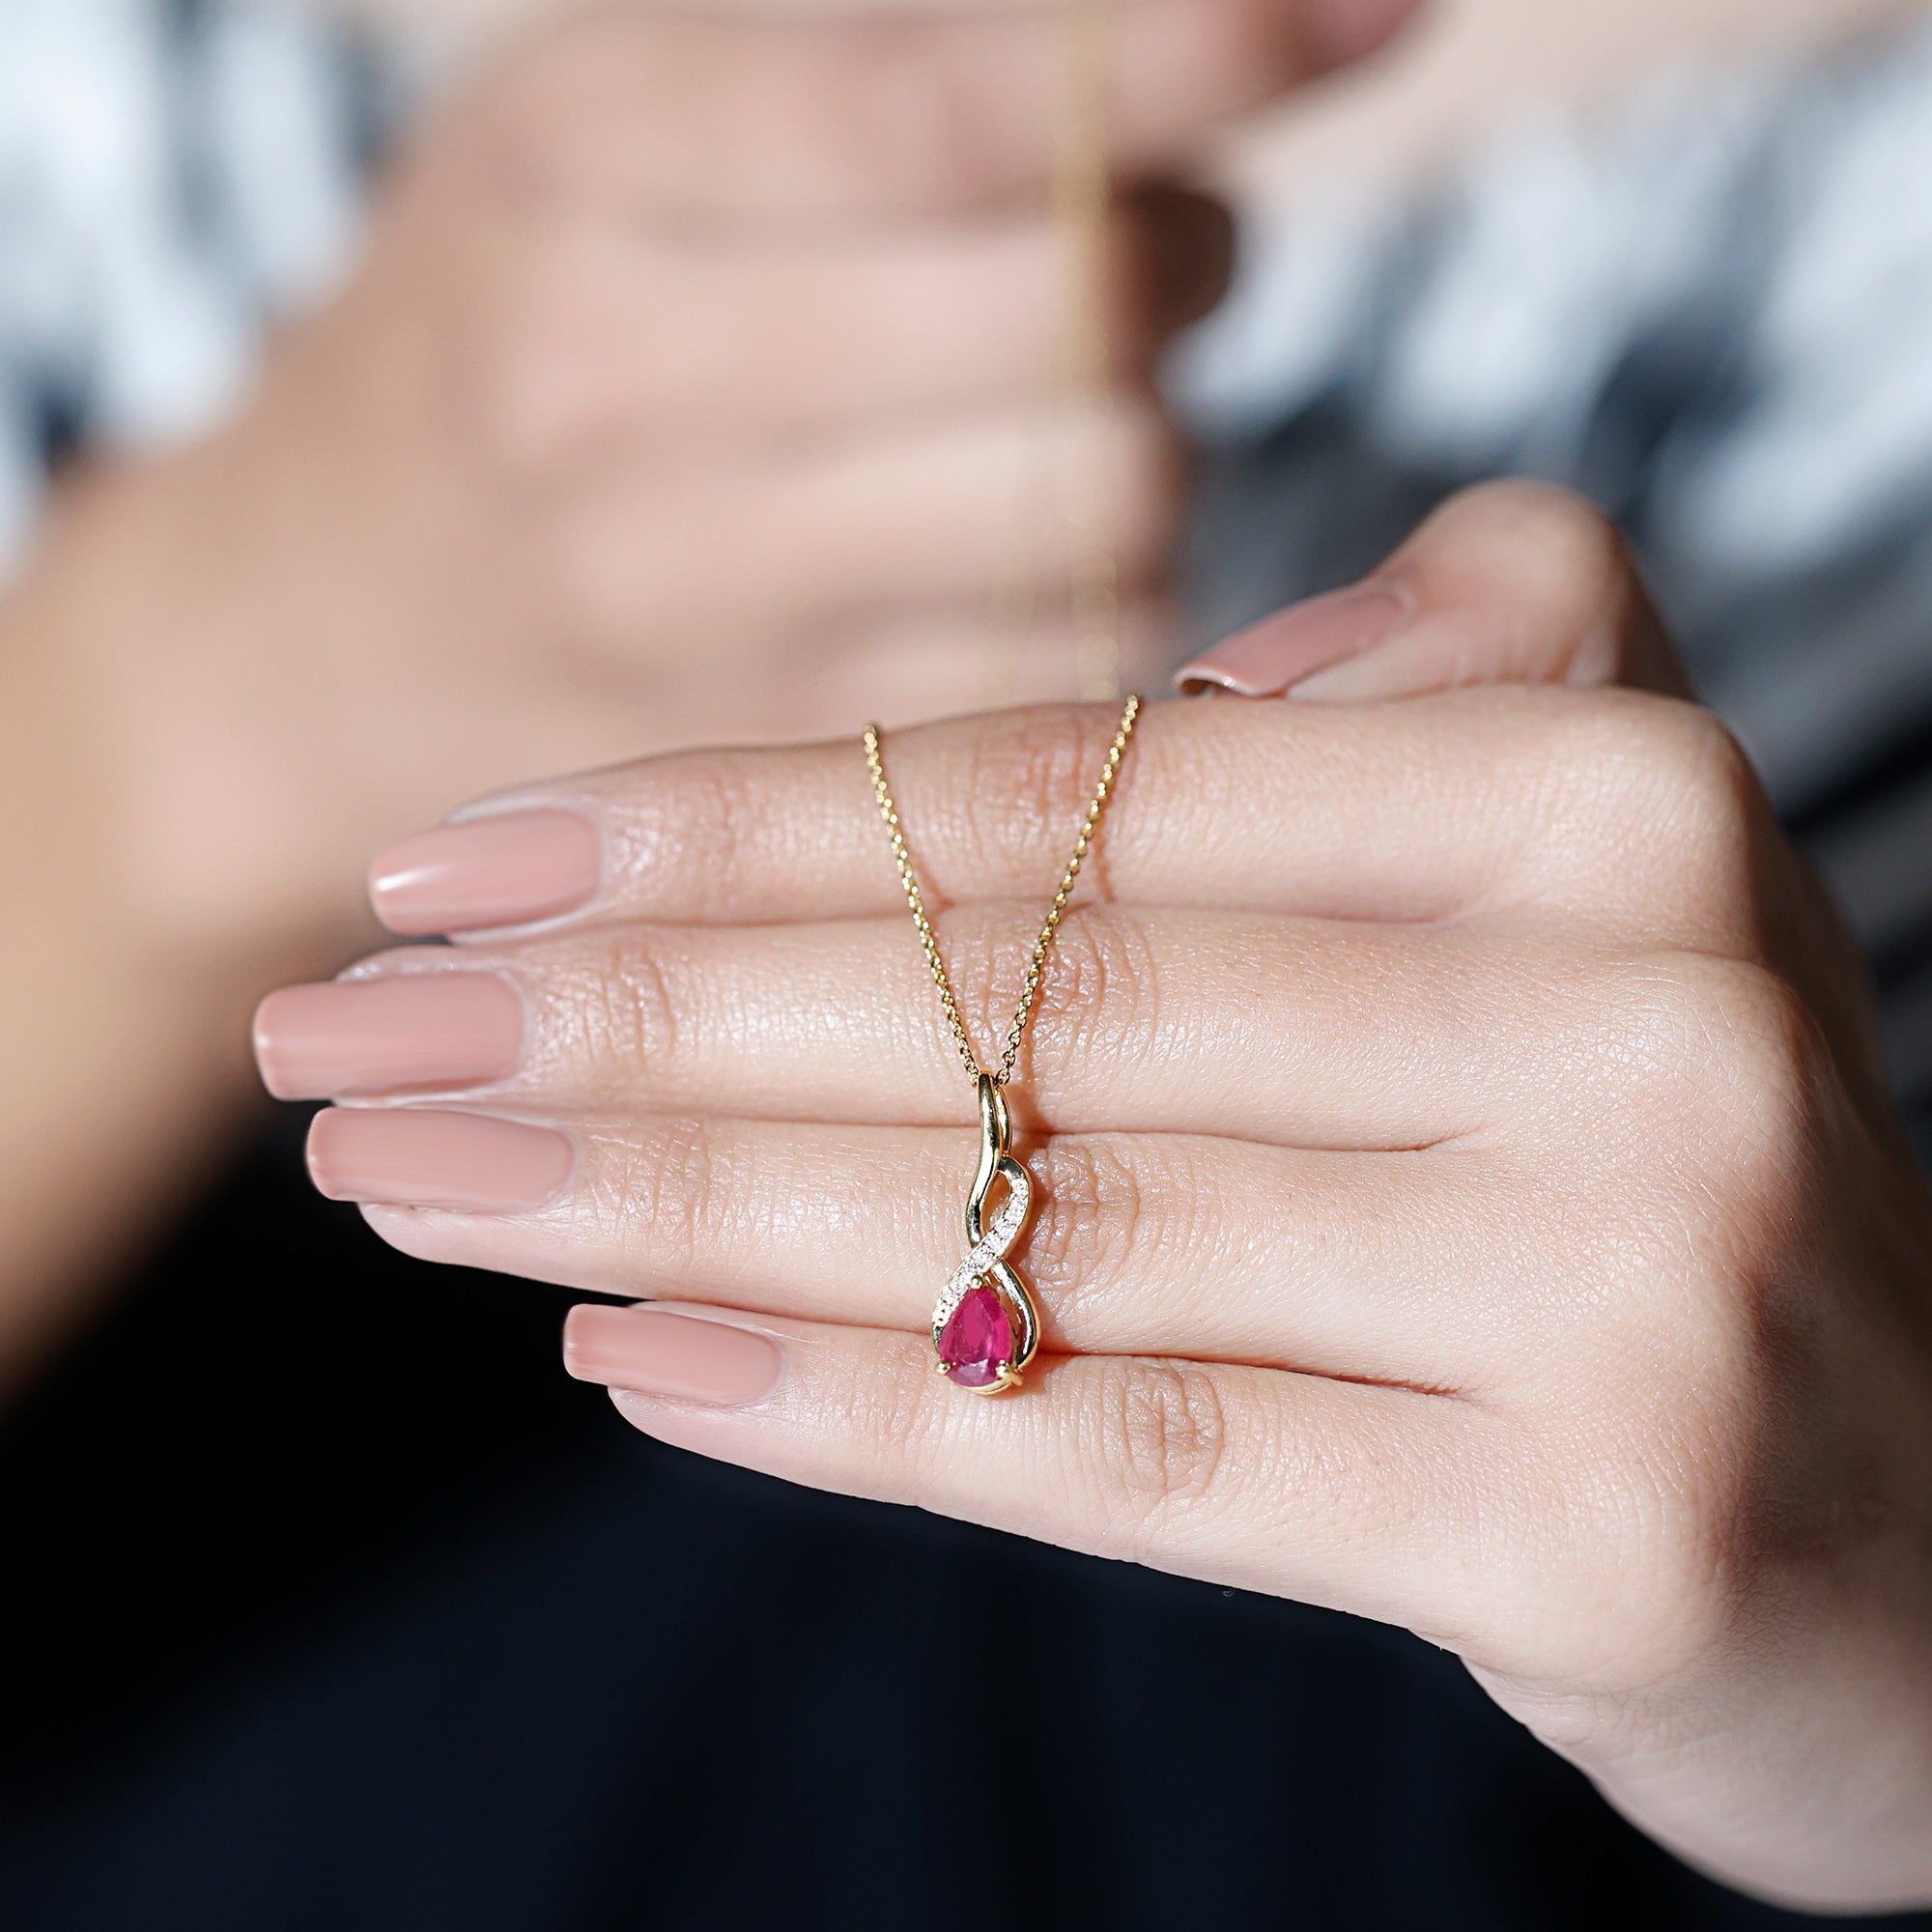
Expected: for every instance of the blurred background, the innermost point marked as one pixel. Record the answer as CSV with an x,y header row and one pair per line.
x,y
1678,257
1674,255
301,1634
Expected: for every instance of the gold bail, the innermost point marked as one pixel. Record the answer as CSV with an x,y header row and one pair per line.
x,y
995,1123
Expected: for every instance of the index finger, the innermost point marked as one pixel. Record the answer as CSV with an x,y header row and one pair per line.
x,y
1429,809
885,113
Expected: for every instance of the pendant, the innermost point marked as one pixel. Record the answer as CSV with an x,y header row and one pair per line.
x,y
985,1326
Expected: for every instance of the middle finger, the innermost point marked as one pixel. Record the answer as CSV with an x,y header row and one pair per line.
x,y
1304,1033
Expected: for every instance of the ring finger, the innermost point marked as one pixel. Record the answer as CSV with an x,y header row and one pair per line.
x,y
1132,1248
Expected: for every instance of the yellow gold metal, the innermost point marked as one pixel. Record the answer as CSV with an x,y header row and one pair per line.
x,y
988,1241
1049,927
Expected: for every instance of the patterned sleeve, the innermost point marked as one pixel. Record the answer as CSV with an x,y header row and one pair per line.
x,y
171,177
1712,314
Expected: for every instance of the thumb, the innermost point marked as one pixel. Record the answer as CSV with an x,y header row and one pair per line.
x,y
1505,584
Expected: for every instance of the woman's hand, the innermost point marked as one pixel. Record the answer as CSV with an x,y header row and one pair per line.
x,y
1467,1195
690,389
702,382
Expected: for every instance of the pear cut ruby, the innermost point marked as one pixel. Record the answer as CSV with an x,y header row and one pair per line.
x,y
977,1342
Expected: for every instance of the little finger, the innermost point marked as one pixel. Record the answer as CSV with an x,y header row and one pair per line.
x,y
1365,1499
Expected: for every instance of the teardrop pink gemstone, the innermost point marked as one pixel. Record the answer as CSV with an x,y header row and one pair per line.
x,y
977,1342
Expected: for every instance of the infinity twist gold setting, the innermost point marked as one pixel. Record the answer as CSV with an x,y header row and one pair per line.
x,y
992,1241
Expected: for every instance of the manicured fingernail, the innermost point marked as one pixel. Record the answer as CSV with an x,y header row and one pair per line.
x,y
1269,659
422,1029
659,1352
1344,30
504,870
415,1159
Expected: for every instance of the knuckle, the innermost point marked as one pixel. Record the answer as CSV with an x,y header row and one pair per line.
x,y
663,1197
1709,785
1643,1571
1753,1039
1026,778
1101,1207
1689,1530
633,1012
1658,788
891,1406
1100,1000
1163,1436
1715,1065
1761,1050
701,822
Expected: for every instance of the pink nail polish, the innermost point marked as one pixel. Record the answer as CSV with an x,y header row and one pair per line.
x,y
412,1030
659,1352
413,1158
1268,659
505,868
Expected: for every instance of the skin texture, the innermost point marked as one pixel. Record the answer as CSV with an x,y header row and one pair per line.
x,y
1467,1193
696,386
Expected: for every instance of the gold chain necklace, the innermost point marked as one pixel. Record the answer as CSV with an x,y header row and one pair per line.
x,y
1049,927
985,1326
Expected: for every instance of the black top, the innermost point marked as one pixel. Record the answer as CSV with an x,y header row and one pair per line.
x,y
333,1605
